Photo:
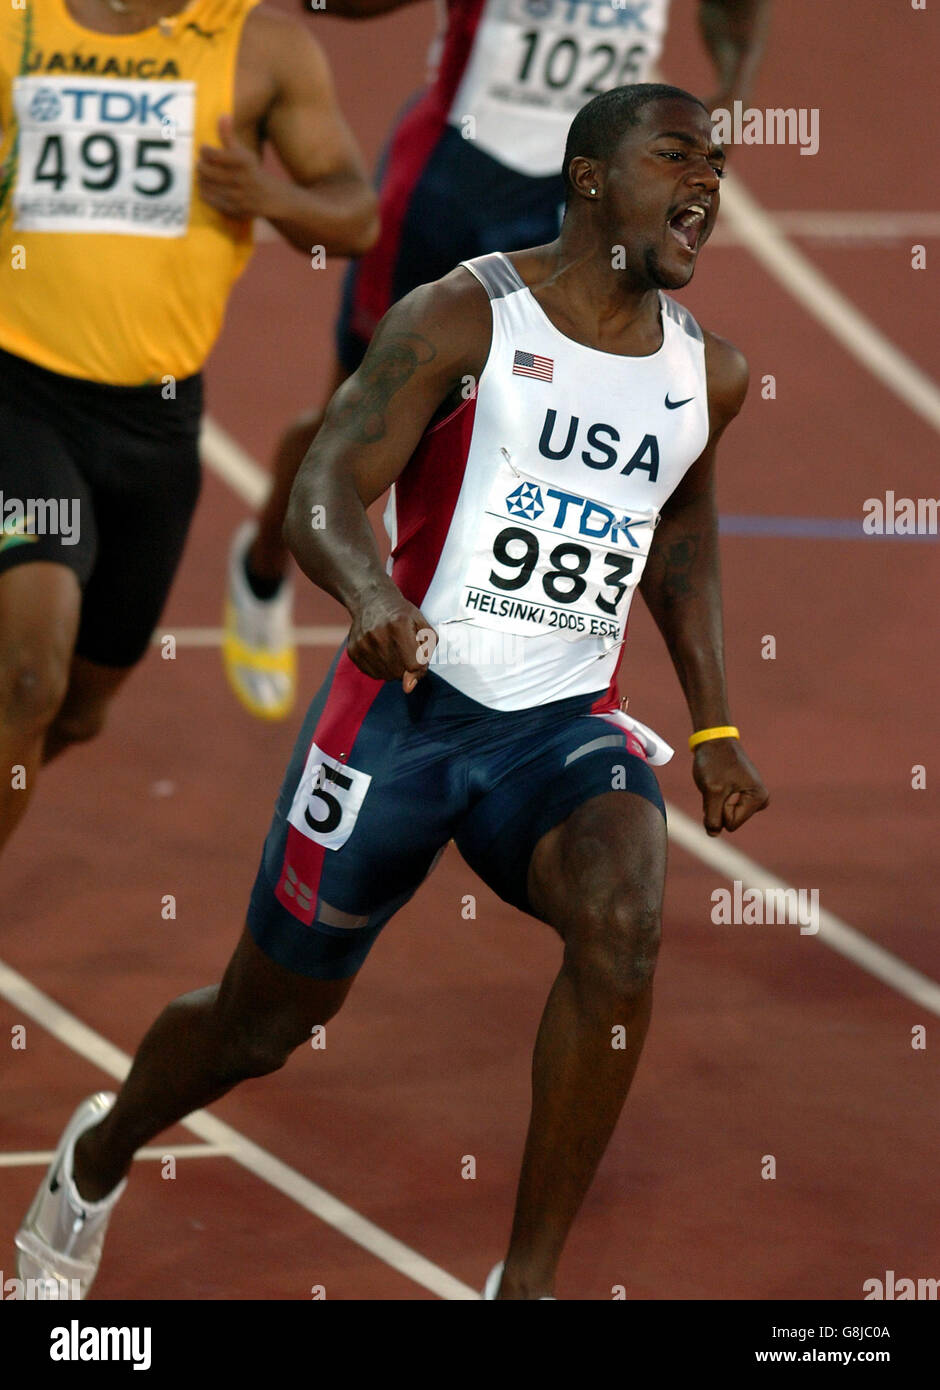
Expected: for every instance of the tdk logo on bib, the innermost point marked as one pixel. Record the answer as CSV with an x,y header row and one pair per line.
x,y
526,501
595,520
45,105
597,14
104,106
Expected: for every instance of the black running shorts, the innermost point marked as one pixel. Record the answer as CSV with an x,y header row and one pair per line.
x,y
103,479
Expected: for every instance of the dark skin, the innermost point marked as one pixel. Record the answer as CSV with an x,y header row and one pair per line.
x,y
597,877
427,345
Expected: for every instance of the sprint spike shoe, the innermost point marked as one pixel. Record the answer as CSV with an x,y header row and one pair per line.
x,y
59,1244
258,649
491,1288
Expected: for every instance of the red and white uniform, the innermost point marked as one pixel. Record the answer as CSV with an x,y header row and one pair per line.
x,y
521,525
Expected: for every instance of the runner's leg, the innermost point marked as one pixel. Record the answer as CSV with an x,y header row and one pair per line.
x,y
82,713
202,1045
267,556
598,879
275,992
40,603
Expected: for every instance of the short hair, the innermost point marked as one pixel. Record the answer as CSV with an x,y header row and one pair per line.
x,y
598,128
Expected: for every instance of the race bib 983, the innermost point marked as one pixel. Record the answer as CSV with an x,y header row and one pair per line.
x,y
546,559
104,156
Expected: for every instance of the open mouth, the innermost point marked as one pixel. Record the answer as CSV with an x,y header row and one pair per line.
x,y
687,226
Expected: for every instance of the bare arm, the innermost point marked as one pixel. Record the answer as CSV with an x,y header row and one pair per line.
x,y
682,581
423,348
682,588
327,200
734,32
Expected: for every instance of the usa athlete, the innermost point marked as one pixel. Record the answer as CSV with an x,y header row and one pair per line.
x,y
473,166
547,423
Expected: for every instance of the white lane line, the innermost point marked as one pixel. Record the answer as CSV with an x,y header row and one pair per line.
x,y
41,1158
230,461
77,1036
212,636
833,932
857,334
878,227
841,937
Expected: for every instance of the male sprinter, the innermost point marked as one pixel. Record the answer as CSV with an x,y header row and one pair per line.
x,y
536,414
473,166
123,226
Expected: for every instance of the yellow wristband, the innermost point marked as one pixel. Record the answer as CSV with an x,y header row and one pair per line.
x,y
725,731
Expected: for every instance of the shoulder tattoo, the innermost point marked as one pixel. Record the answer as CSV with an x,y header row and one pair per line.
x,y
391,361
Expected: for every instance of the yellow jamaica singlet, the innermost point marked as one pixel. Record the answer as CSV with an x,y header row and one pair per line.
x,y
112,268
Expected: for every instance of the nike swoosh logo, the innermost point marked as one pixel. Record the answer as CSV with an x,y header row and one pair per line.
x,y
674,405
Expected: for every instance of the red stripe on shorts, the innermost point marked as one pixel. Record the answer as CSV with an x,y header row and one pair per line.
x,y
352,694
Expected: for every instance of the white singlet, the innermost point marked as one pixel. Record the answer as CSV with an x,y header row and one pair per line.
x,y
522,523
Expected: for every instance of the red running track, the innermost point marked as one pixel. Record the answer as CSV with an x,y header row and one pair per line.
x,y
763,1042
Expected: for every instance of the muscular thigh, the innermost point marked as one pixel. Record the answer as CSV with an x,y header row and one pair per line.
x,y
605,862
575,804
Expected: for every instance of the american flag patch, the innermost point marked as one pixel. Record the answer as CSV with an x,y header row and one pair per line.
x,y
530,364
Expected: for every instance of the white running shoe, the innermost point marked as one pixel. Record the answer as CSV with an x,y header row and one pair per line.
x,y
258,649
61,1238
491,1288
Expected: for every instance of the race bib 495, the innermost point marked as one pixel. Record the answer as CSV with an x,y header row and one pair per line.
x,y
104,156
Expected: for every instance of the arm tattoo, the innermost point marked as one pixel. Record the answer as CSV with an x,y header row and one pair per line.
x,y
677,564
386,367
